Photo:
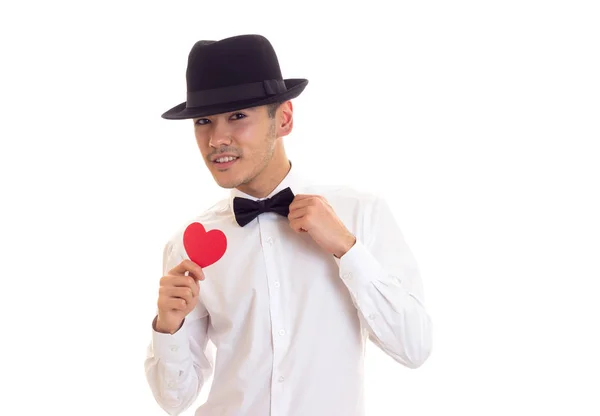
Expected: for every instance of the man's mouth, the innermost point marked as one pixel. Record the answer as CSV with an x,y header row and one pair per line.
x,y
225,159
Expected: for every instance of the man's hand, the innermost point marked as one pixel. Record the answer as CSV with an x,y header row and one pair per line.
x,y
314,215
177,296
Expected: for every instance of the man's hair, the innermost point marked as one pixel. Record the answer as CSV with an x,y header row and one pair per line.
x,y
272,109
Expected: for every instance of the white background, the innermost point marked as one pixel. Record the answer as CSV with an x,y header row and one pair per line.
x,y
478,120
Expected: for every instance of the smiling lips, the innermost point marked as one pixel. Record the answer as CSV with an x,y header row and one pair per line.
x,y
224,161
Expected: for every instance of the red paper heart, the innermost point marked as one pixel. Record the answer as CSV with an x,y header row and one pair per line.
x,y
204,248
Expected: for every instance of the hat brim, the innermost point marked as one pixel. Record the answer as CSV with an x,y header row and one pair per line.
x,y
181,112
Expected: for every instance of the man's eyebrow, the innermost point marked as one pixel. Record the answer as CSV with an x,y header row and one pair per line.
x,y
249,109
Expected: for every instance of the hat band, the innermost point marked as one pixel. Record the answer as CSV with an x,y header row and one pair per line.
x,y
235,93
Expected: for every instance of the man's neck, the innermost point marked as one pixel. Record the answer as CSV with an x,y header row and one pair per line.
x,y
265,185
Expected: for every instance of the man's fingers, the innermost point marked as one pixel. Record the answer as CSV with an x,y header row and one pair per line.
x,y
297,225
185,293
300,203
190,267
304,196
177,298
177,304
181,281
297,213
174,304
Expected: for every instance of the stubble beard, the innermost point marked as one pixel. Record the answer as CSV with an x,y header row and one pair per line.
x,y
264,161
267,157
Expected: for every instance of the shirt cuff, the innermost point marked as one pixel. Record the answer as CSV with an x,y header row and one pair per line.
x,y
358,266
171,347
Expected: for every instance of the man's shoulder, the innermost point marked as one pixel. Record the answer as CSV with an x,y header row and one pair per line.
x,y
343,194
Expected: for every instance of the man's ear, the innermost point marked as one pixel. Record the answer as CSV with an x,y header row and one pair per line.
x,y
285,119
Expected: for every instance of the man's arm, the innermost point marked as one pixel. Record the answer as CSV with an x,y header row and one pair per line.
x,y
177,365
383,279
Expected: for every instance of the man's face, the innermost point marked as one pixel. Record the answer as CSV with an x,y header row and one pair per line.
x,y
237,146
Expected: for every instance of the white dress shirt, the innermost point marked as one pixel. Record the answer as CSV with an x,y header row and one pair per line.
x,y
290,321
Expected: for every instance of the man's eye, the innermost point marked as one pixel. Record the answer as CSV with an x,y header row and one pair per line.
x,y
238,116
202,121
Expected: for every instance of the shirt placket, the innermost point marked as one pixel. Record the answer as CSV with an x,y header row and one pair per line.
x,y
279,331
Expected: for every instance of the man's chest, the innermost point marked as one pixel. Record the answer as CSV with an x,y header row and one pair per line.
x,y
271,277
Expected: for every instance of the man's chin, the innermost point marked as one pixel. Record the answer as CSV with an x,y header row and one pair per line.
x,y
226,183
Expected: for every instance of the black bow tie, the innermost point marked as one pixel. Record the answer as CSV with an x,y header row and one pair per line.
x,y
246,209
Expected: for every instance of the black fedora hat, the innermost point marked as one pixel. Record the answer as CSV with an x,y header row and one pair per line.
x,y
232,74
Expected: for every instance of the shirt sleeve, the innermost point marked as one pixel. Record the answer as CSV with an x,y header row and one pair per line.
x,y
178,365
384,282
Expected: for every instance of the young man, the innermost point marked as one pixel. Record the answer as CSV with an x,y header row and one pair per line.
x,y
309,272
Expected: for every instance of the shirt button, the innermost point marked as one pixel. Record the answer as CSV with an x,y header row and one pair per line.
x,y
372,316
174,348
348,276
276,284
270,241
281,332
171,384
281,379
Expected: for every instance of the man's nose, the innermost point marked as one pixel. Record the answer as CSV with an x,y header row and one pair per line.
x,y
220,135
